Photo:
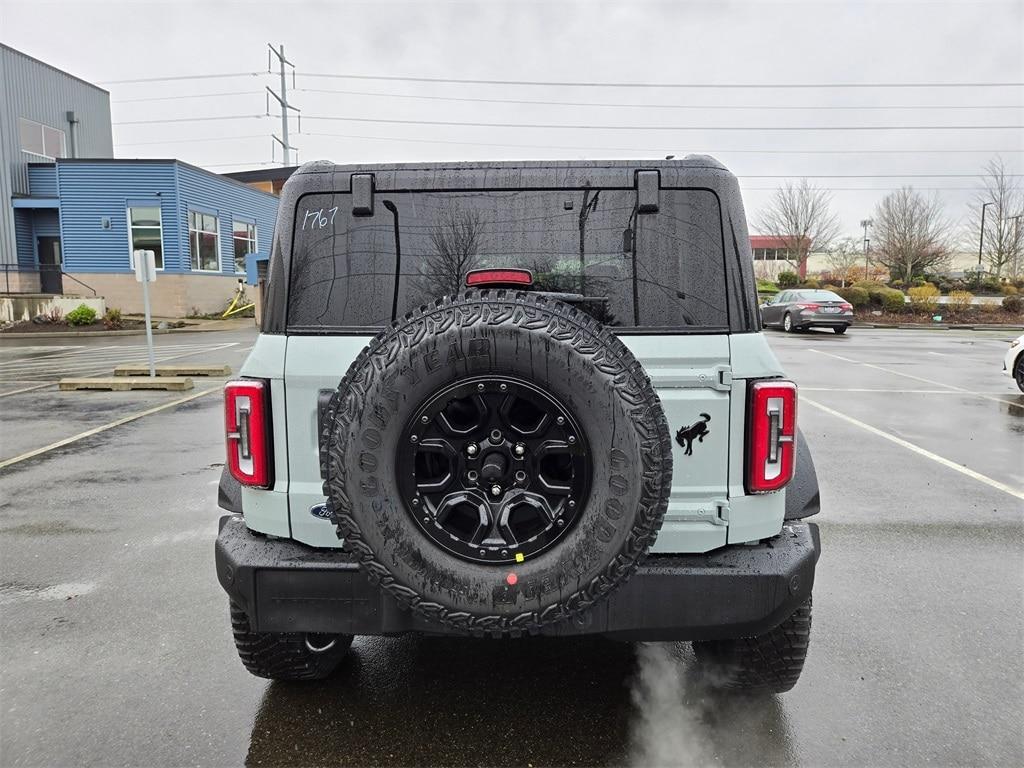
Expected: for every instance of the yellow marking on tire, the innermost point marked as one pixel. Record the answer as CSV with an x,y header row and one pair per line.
x,y
520,557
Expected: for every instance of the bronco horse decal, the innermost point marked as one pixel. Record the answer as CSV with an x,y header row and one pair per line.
x,y
698,430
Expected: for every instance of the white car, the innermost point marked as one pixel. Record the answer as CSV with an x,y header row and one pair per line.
x,y
1013,363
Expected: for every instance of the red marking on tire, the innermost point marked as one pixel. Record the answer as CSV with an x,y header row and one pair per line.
x,y
511,579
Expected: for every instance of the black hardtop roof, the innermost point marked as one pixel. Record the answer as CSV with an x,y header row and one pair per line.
x,y
692,170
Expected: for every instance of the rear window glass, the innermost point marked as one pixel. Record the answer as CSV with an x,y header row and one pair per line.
x,y
816,296
651,270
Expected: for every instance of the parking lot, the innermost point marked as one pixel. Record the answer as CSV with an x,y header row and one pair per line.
x,y
116,647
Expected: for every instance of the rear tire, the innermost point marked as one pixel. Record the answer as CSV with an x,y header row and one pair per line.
x,y
840,330
286,655
787,324
768,663
1018,372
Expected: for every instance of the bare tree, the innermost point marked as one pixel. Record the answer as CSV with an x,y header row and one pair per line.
x,y
456,239
800,217
911,234
1004,237
843,257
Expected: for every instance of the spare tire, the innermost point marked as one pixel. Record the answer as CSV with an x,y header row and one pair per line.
x,y
497,462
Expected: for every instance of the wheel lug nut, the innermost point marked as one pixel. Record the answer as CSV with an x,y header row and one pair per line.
x,y
479,387
572,504
415,502
495,490
520,449
559,522
503,387
424,419
414,439
571,439
471,449
560,420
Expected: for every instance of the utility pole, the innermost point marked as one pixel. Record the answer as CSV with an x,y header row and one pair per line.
x,y
866,223
282,100
981,238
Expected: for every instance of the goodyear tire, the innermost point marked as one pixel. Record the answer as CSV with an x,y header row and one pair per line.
x,y
537,345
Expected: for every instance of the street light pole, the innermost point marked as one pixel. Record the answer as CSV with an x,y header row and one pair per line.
x,y
866,223
981,237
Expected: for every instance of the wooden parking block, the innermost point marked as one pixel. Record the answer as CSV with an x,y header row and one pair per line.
x,y
125,383
194,369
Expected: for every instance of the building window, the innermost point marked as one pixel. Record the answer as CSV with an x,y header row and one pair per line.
x,y
244,236
146,233
39,139
203,229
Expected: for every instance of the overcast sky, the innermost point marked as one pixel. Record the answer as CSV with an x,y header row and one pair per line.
x,y
637,42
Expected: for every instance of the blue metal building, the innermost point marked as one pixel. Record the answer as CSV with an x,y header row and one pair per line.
x,y
200,224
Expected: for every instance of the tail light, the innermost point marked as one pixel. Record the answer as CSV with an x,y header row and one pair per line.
x,y
811,307
494,278
846,307
247,427
771,435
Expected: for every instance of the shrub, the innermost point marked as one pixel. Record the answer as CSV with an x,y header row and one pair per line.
x,y
788,279
811,282
1008,290
924,298
988,307
893,300
858,297
1014,304
82,315
897,283
960,301
112,320
766,286
991,285
55,315
917,282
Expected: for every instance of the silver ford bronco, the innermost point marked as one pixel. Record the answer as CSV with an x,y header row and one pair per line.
x,y
501,399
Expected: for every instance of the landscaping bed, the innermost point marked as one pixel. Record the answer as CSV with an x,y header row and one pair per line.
x,y
29,326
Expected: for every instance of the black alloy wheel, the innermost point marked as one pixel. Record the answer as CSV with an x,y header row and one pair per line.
x,y
493,469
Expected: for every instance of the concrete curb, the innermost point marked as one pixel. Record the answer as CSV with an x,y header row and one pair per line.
x,y
939,327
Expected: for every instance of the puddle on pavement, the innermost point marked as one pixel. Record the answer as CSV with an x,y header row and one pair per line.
x,y
48,528
22,593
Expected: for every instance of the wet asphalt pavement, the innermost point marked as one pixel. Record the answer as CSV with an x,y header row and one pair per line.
x,y
115,647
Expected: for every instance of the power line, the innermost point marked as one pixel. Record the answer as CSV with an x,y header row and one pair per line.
x,y
648,105
775,128
566,84
187,96
190,119
667,149
181,77
189,141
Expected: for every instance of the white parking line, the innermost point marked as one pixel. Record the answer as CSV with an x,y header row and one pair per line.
x,y
895,391
1015,492
104,427
919,378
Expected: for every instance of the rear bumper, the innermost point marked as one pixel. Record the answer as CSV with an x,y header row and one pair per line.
x,y
736,591
822,321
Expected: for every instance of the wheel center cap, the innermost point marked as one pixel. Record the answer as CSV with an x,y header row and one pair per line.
x,y
493,466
